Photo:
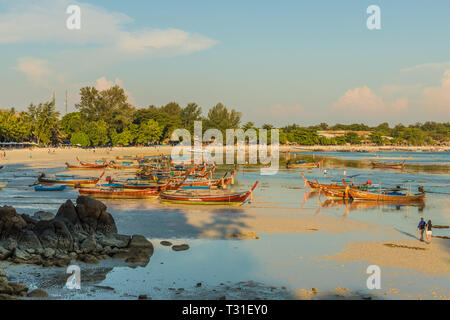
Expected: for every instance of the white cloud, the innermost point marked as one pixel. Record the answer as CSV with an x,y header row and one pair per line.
x,y
437,99
428,66
45,22
364,103
36,70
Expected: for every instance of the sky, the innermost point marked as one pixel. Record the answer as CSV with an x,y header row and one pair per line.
x,y
277,62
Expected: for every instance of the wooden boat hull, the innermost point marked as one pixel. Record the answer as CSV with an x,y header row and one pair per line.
x,y
364,195
224,199
119,194
335,193
388,165
303,166
70,182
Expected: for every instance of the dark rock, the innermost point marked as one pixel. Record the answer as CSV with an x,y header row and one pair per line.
x,y
166,243
29,240
106,224
43,215
180,247
85,232
89,244
11,224
4,253
92,213
38,293
10,244
89,258
115,241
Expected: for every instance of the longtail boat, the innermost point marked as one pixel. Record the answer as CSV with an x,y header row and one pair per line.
x,y
85,165
123,165
316,186
210,199
223,182
356,194
388,165
70,180
119,193
335,193
304,165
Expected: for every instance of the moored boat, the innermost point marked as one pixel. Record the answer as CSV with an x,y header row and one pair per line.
x,y
388,165
41,187
212,198
304,165
356,194
69,180
119,193
89,166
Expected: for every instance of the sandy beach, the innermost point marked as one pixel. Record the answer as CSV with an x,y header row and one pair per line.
x,y
284,232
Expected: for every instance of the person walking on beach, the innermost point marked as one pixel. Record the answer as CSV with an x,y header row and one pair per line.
x,y
429,231
421,228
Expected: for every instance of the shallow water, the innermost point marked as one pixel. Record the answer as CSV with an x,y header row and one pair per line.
x,y
247,269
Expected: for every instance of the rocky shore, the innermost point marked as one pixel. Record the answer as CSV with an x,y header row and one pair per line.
x,y
82,232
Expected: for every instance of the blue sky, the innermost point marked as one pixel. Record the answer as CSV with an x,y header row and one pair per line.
x,y
277,62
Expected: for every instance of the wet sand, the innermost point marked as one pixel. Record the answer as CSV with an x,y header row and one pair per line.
x,y
433,258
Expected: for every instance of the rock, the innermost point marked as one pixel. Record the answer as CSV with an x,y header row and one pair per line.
x,y
94,217
11,224
29,241
166,243
199,284
43,215
85,232
18,288
49,252
138,250
115,241
106,224
180,247
10,244
4,253
21,255
89,258
89,244
38,293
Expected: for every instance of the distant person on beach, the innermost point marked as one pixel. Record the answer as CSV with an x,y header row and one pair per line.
x,y
429,231
421,228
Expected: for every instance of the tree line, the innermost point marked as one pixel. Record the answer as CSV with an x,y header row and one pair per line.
x,y
105,118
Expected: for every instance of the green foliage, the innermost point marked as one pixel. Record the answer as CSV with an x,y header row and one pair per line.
x,y
43,123
97,132
13,126
109,105
105,117
80,138
220,118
